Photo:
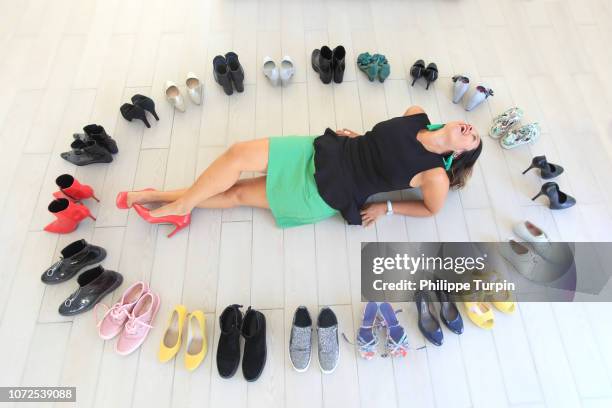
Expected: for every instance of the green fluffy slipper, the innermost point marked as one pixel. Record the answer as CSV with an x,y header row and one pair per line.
x,y
368,65
384,69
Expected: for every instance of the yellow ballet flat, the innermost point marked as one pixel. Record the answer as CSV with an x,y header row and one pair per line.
x,y
171,341
481,314
195,349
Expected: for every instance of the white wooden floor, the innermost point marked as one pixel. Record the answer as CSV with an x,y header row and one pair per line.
x,y
68,63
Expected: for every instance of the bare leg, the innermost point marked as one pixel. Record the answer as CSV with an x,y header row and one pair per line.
x,y
222,174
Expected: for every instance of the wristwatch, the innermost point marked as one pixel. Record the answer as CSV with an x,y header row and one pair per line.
x,y
389,208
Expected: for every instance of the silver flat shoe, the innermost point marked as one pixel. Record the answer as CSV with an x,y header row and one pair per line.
x,y
462,84
173,95
194,88
271,71
287,70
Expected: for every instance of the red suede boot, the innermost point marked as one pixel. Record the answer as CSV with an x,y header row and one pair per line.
x,y
72,189
69,214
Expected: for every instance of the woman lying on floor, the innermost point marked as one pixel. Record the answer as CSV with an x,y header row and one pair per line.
x,y
312,178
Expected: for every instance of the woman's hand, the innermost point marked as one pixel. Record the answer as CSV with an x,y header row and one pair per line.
x,y
371,212
346,132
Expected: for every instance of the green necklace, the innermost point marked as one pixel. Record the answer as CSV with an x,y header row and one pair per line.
x,y
448,161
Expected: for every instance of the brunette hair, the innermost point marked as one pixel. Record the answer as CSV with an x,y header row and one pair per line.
x,y
462,167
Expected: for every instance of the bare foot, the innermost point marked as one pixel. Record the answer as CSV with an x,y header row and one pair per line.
x,y
138,197
173,208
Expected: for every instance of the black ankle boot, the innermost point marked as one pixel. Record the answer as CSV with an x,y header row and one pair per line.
x,y
228,350
547,170
94,284
75,257
222,75
97,133
339,55
254,333
88,152
235,71
321,61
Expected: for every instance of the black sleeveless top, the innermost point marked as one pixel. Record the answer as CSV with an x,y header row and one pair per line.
x,y
349,170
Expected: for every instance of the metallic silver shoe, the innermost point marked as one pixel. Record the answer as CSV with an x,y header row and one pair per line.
x,y
300,341
481,93
287,70
271,71
173,95
329,347
462,84
505,121
194,88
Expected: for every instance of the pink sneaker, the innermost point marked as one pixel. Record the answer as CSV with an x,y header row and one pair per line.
x,y
115,317
138,324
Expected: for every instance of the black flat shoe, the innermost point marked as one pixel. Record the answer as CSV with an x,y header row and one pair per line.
x,y
431,74
321,61
417,70
129,112
449,314
222,75
75,257
547,170
338,63
94,284
236,72
428,324
558,200
145,103
86,152
254,333
228,349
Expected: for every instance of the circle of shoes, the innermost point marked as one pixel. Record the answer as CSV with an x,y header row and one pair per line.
x,y
478,96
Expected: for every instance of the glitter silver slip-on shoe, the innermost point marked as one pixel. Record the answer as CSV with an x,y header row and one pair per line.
x,y
481,93
329,347
300,342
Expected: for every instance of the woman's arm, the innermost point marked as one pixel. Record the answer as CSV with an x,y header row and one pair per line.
x,y
434,190
414,110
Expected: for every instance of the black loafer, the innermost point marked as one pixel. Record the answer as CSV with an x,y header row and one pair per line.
x,y
228,350
75,257
449,314
254,332
94,284
428,324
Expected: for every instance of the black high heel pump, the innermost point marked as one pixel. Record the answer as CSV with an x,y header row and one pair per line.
x,y
145,103
547,170
129,112
417,70
558,199
431,73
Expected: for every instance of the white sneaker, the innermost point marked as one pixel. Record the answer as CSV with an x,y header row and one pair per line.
x,y
173,95
271,71
194,88
287,70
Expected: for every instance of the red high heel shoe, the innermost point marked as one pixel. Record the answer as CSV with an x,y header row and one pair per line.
x,y
121,200
179,221
69,214
72,189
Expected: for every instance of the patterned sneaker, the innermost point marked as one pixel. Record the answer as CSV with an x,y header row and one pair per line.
x,y
397,339
329,347
523,135
504,122
367,341
300,342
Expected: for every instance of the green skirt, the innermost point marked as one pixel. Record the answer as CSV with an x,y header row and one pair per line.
x,y
290,185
